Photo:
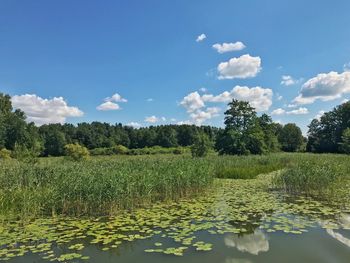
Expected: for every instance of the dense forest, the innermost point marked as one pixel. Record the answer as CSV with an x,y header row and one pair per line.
x,y
245,133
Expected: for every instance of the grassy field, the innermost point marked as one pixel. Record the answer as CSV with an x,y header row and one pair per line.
x,y
104,185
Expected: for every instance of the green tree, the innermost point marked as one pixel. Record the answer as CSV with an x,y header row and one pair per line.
x,y
201,145
290,138
345,144
243,133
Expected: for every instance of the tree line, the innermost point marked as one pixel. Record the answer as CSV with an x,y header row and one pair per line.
x,y
245,133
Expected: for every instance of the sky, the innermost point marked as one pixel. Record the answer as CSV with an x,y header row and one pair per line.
x,y
157,62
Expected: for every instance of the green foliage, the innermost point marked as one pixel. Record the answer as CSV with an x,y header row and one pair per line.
x,y
101,185
325,134
201,146
245,132
120,149
76,152
178,150
290,138
345,144
321,176
249,167
5,154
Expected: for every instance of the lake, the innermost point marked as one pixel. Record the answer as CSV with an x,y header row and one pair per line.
x,y
236,221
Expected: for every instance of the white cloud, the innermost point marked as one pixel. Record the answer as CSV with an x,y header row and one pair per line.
x,y
258,97
44,111
201,37
187,122
346,67
134,124
201,116
228,47
242,67
116,98
279,97
107,106
192,102
151,119
110,103
163,118
300,111
344,101
278,111
325,87
172,119
150,100
292,105
288,80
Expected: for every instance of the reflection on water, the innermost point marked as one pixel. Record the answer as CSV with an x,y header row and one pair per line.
x,y
252,243
344,222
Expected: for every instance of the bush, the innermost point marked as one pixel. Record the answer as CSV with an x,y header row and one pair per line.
x,y
5,154
201,146
76,152
120,149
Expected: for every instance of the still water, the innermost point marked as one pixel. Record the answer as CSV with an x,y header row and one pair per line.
x,y
238,221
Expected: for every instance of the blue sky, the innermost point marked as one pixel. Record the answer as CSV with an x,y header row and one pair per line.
x,y
60,60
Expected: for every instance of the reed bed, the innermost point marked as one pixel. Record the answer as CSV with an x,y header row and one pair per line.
x,y
102,185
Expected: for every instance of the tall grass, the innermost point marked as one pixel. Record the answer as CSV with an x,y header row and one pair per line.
x,y
324,176
249,167
99,186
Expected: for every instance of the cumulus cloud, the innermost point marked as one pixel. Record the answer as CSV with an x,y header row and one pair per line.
x,y
196,104
288,80
325,87
151,119
44,111
228,47
346,67
242,67
278,111
299,111
259,98
201,116
192,102
107,106
116,98
134,124
110,103
201,37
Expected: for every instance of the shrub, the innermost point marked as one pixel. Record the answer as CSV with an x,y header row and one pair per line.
x,y
201,146
76,152
120,149
5,154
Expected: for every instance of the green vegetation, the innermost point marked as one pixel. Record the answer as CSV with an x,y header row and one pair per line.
x,y
328,134
321,176
201,146
245,132
249,167
76,152
97,186
5,154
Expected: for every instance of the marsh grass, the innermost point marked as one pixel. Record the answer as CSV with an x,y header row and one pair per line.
x,y
324,176
101,186
249,167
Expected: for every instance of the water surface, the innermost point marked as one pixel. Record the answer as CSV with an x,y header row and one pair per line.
x,y
237,221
